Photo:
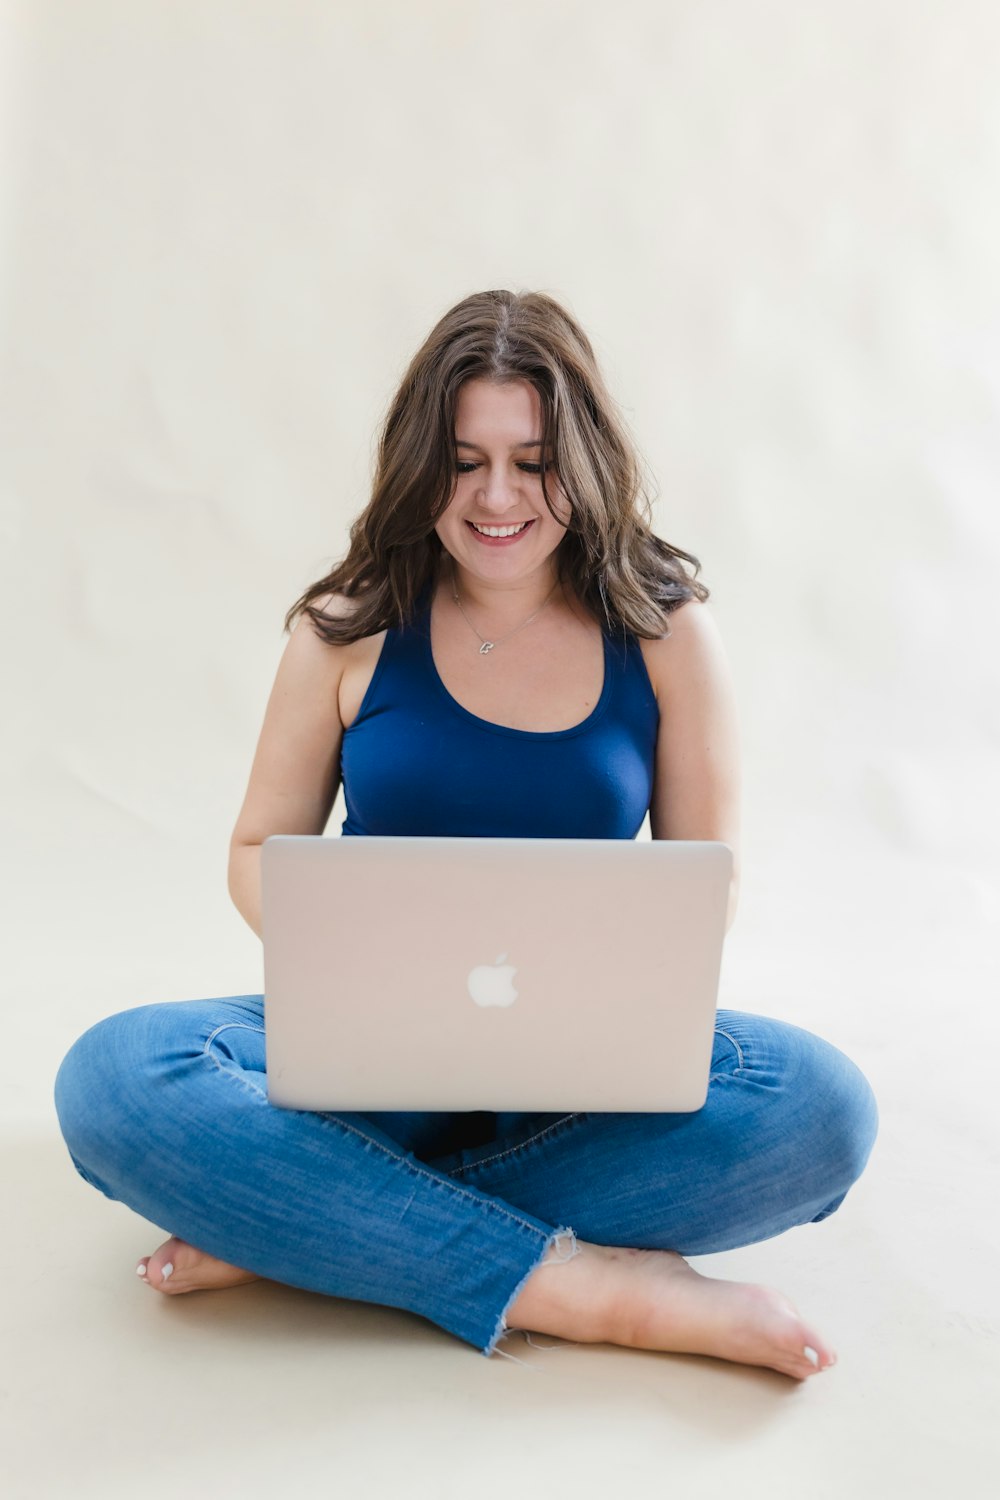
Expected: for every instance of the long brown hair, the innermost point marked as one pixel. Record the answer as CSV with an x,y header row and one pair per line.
x,y
628,578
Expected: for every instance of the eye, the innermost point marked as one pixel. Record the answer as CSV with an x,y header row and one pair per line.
x,y
467,468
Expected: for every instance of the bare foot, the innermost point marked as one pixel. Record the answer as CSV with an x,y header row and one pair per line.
x,y
652,1299
179,1267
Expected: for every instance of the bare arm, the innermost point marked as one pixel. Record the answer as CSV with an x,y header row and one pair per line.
x,y
295,775
696,789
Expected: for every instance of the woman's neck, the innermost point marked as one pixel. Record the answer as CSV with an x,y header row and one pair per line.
x,y
501,600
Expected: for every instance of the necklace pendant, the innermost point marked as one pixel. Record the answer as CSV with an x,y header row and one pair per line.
x,y
486,647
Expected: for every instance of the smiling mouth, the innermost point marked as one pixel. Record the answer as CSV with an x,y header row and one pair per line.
x,y
512,528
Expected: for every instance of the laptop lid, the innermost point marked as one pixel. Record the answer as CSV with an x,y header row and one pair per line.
x,y
420,973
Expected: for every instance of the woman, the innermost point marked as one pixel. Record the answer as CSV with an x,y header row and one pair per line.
x,y
456,670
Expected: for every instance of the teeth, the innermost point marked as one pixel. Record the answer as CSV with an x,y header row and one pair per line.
x,y
499,530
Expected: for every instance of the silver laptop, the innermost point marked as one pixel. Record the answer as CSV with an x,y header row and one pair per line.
x,y
492,974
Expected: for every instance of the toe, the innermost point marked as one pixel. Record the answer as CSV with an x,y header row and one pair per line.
x,y
811,1360
821,1356
160,1265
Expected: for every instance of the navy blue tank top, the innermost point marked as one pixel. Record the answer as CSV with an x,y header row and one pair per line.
x,y
415,762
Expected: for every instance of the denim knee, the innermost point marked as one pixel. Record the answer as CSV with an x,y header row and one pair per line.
x,y
98,1092
850,1118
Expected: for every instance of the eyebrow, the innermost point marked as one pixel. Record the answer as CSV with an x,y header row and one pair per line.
x,y
534,443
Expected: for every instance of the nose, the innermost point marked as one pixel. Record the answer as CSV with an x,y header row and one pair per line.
x,y
498,493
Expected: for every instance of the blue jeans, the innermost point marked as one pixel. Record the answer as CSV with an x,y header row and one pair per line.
x,y
164,1108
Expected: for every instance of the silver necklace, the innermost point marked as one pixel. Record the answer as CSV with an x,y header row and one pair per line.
x,y
488,646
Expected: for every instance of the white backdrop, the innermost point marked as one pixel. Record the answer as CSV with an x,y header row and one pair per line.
x,y
226,228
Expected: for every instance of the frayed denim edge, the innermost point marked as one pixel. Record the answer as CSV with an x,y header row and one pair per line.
x,y
501,1328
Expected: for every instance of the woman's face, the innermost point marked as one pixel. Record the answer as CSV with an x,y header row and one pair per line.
x,y
498,431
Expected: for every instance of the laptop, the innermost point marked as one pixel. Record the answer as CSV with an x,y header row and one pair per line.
x,y
419,973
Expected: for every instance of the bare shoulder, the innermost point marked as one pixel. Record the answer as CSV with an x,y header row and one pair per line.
x,y
296,768
305,638
696,784
348,667
336,606
693,651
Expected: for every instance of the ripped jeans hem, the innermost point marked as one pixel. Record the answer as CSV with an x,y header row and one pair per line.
x,y
551,1243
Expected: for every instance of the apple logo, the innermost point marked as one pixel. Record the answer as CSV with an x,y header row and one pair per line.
x,y
493,984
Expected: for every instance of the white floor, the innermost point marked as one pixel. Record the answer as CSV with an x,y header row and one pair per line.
x,y
114,1391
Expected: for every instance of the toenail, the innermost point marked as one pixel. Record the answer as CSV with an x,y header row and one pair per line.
x,y
811,1355
168,1270
140,1269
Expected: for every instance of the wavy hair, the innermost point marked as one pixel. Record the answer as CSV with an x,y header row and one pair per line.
x,y
626,577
